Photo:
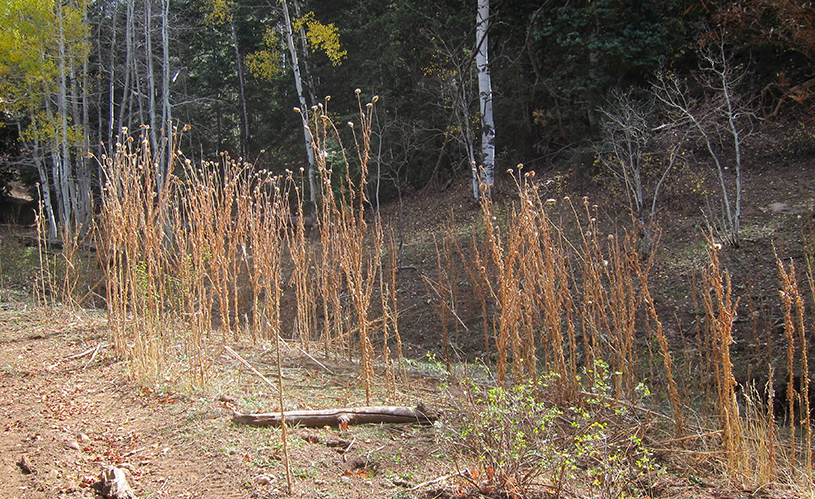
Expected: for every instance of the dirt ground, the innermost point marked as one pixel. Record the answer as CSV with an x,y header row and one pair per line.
x,y
68,413
68,409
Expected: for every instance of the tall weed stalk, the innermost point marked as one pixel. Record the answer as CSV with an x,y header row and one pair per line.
x,y
720,310
797,385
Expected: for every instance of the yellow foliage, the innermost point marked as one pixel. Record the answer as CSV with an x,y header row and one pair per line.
x,y
263,64
43,127
266,63
271,39
440,66
29,48
323,37
220,11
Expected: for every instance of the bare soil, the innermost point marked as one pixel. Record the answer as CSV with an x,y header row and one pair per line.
x,y
68,415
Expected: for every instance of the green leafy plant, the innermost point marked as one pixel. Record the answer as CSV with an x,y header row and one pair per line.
x,y
512,442
613,456
509,438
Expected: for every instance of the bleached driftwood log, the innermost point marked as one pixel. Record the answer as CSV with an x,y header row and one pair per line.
x,y
341,417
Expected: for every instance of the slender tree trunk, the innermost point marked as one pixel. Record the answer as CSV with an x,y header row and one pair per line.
x,y
727,91
165,162
112,78
486,175
83,161
57,182
82,182
62,159
244,114
45,186
151,76
310,87
129,69
298,82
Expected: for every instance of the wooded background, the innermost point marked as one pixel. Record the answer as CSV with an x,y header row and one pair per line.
x,y
74,74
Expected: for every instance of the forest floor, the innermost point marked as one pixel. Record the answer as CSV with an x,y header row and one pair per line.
x,y
69,406
70,414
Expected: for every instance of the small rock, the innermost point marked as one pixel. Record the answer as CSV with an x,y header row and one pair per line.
x,y
264,480
25,466
779,207
310,437
83,438
72,444
114,484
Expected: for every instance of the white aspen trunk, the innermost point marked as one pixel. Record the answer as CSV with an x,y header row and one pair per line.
x,y
85,208
77,178
45,186
62,160
86,132
486,174
79,93
304,47
298,82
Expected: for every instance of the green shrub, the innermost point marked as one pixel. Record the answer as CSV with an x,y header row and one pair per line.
x,y
510,442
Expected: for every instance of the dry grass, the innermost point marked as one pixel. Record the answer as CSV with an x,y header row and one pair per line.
x,y
221,254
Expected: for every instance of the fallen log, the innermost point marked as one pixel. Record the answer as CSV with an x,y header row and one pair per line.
x,y
341,417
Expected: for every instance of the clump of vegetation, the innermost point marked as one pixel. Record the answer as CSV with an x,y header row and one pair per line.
x,y
513,442
219,254
506,440
18,263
